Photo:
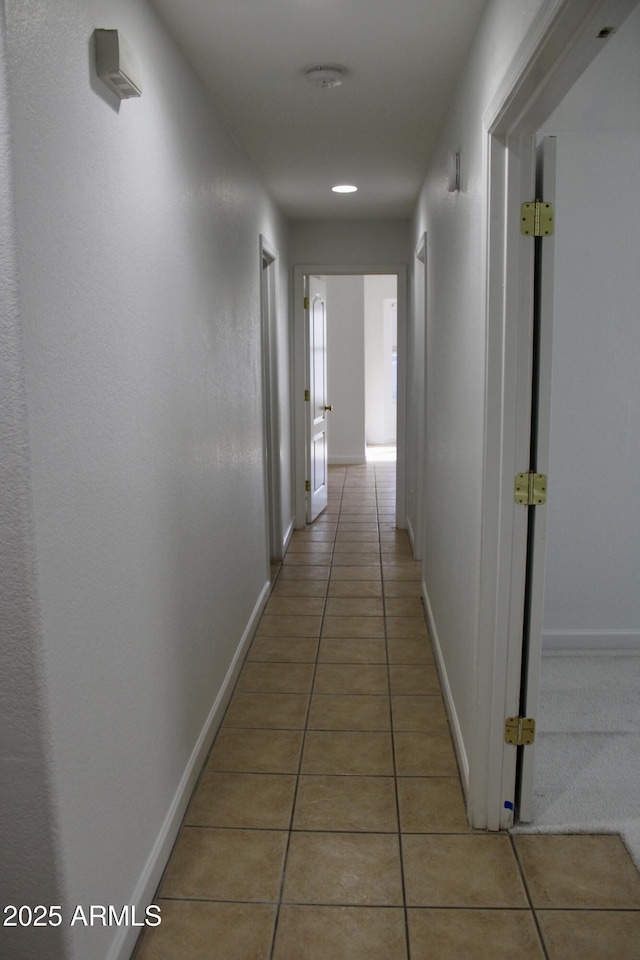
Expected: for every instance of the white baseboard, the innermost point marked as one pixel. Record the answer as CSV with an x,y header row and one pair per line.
x,y
125,939
286,540
593,640
458,742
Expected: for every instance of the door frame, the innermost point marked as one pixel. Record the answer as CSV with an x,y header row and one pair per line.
x,y
561,42
270,399
300,349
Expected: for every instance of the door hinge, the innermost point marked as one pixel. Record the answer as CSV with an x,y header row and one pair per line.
x,y
530,489
307,396
307,486
519,731
536,219
306,303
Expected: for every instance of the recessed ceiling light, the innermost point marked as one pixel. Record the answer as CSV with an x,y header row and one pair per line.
x,y
344,188
326,77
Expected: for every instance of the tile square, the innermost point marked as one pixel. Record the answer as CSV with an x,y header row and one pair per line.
x,y
347,753
355,588
353,627
256,677
346,804
431,805
295,607
369,571
579,871
351,678
267,710
307,558
300,588
352,651
258,800
354,607
256,751
590,935
419,715
405,628
461,871
286,650
419,679
212,864
474,935
402,588
409,651
407,607
361,549
357,536
242,930
371,933
344,712
304,572
401,571
424,755
344,868
289,626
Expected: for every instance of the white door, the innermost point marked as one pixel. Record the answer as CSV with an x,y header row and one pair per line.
x,y
538,463
317,405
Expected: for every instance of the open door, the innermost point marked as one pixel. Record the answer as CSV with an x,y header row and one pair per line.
x,y
538,465
317,406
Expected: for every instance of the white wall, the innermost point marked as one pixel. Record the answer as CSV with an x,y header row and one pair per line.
x,y
455,375
377,348
350,242
346,365
137,251
593,537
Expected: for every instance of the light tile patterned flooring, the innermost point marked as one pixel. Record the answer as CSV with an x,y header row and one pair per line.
x,y
328,822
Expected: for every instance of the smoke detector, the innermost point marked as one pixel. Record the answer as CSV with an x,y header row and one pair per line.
x,y
325,77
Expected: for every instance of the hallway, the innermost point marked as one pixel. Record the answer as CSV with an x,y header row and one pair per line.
x,y
328,822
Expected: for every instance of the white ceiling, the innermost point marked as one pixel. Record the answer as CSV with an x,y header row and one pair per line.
x,y
402,59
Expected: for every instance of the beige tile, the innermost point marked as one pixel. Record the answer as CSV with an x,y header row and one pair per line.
x,y
590,935
261,801
351,678
256,751
355,588
342,712
424,755
474,935
354,607
409,651
341,753
289,626
295,607
400,571
407,607
584,871
310,547
307,558
352,651
371,933
353,627
418,714
275,677
404,628
304,572
242,930
370,571
431,805
351,526
322,533
418,679
345,868
370,555
275,710
362,549
402,588
300,588
346,803
286,650
461,871
212,864
357,536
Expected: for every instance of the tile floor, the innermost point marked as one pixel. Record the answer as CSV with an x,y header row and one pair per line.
x,y
328,822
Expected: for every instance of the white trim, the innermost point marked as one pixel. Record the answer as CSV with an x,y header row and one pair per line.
x,y
270,399
591,641
300,271
456,729
125,939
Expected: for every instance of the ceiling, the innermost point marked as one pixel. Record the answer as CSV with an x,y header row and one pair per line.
x,y
402,59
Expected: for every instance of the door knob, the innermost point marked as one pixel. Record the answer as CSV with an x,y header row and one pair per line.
x,y
329,407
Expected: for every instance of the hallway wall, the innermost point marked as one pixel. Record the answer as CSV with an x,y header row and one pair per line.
x,y
455,374
136,483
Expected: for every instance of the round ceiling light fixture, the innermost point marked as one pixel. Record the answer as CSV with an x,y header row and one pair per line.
x,y
325,77
344,188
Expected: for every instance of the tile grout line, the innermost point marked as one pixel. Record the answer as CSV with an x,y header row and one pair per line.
x,y
532,909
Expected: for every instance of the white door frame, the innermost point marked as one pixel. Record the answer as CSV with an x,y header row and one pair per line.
x,y
300,271
270,400
560,44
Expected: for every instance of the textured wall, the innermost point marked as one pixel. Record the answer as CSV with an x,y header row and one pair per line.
x,y
137,241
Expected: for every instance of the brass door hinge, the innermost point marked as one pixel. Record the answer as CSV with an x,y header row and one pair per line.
x,y
306,303
307,396
530,489
536,219
307,486
519,731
